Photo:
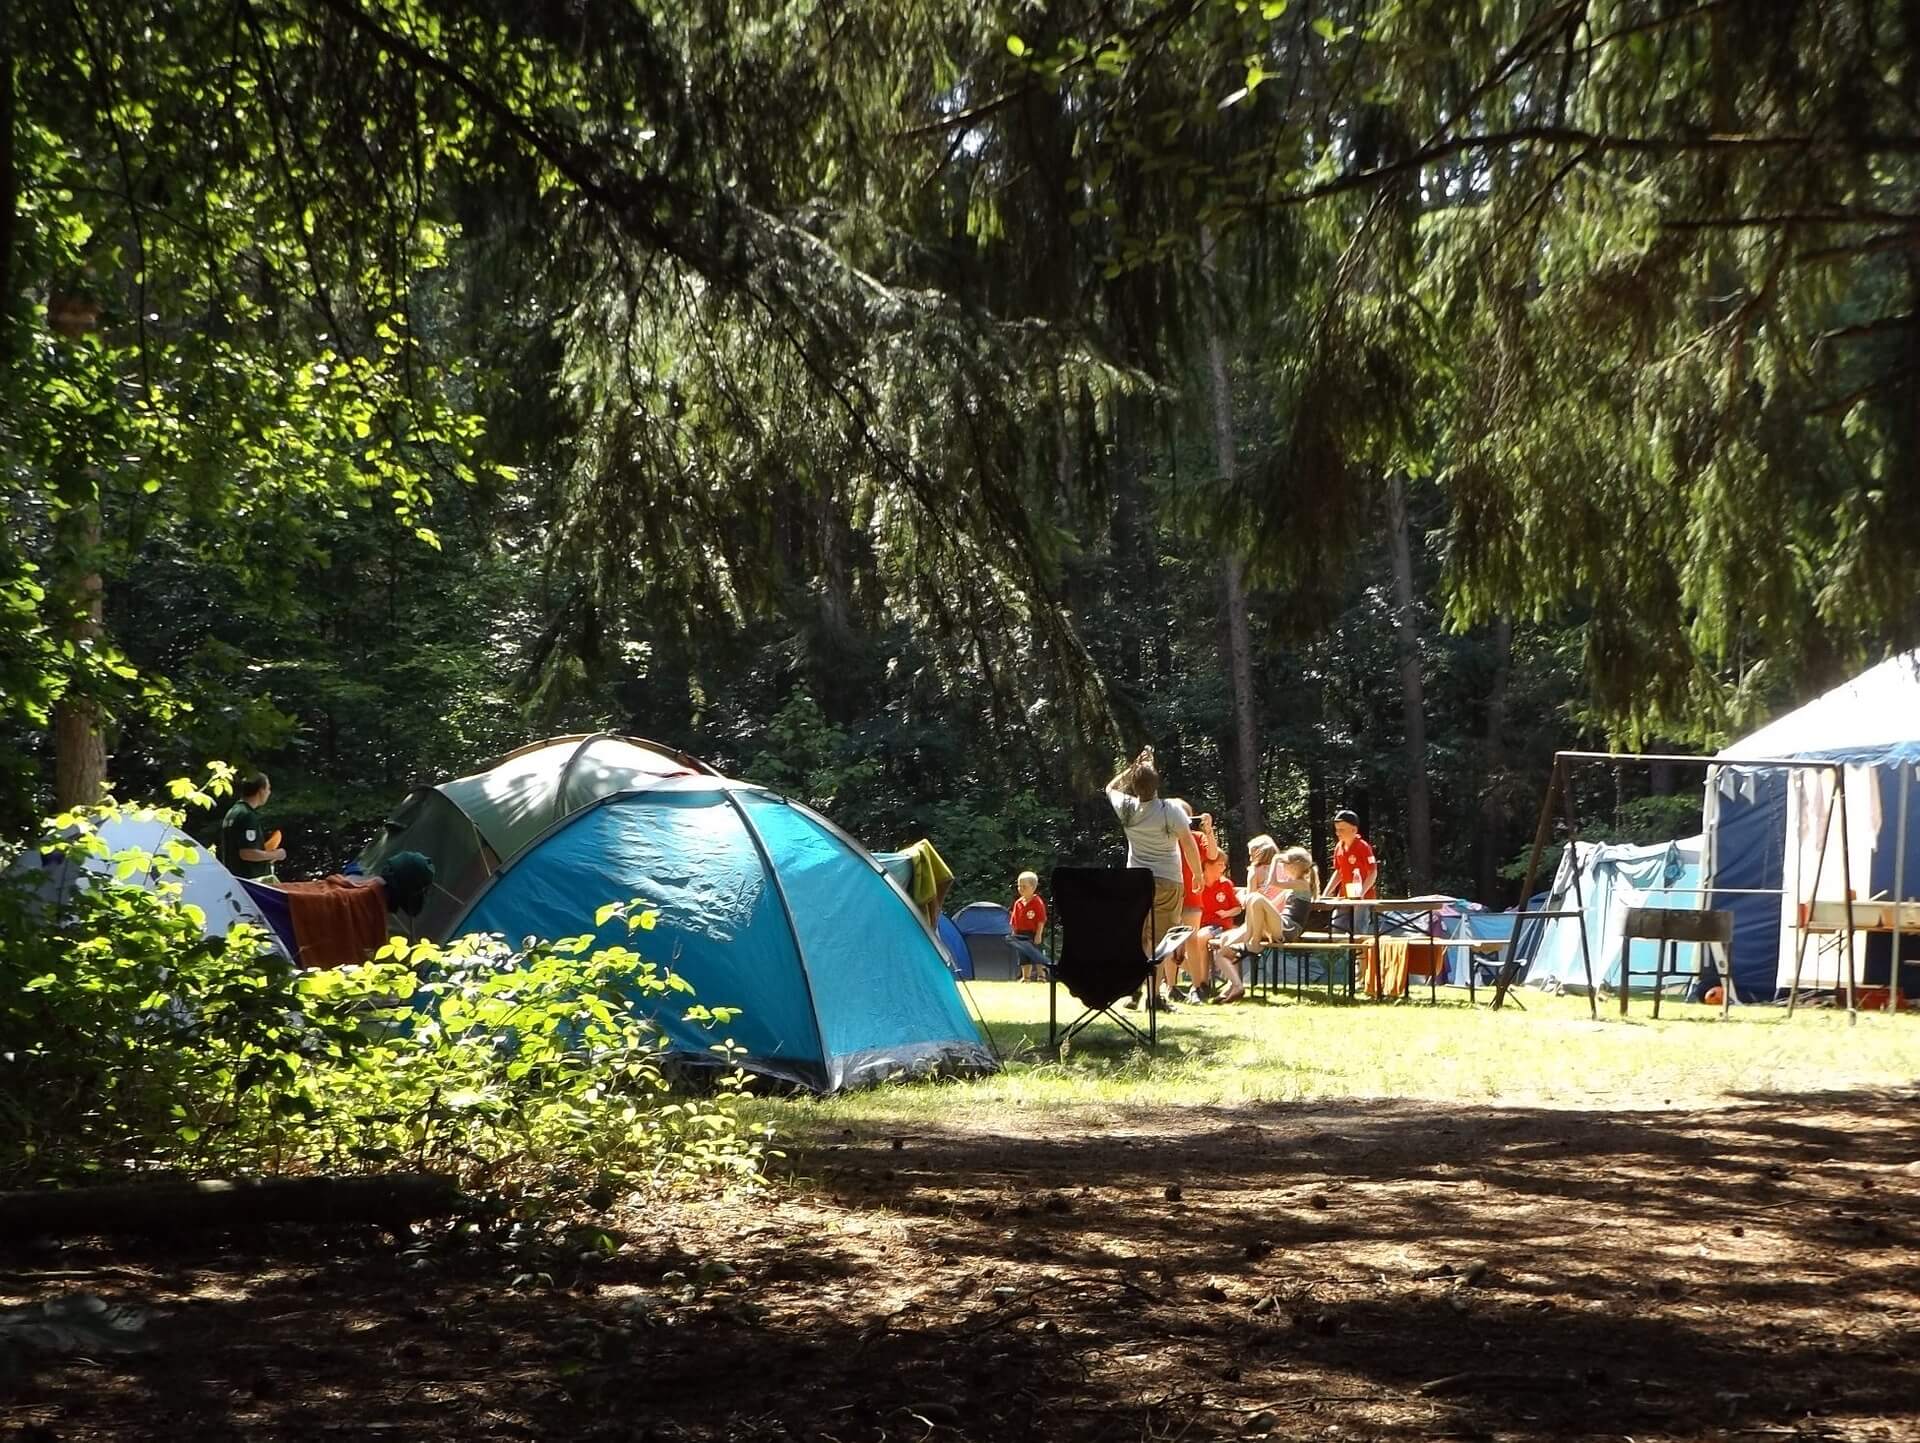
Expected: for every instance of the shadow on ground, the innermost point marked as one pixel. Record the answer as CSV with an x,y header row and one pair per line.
x,y
1357,1271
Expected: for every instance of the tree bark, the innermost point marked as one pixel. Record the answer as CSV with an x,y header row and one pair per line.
x,y
174,1205
1412,690
79,749
1243,755
1493,806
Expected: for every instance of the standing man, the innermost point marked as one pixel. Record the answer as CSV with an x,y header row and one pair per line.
x,y
243,838
1159,838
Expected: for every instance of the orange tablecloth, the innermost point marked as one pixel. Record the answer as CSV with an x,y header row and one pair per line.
x,y
1399,958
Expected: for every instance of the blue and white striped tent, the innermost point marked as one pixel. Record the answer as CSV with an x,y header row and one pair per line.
x,y
763,905
1611,878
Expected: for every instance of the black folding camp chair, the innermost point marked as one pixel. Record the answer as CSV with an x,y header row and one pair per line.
x,y
1102,915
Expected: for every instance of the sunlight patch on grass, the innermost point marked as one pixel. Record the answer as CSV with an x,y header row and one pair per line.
x,y
1318,1050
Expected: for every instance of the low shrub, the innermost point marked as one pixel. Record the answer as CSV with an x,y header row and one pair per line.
x,y
131,1041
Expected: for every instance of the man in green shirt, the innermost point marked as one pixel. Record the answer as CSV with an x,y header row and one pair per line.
x,y
243,837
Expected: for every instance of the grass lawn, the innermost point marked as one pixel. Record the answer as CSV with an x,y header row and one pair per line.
x,y
1319,1050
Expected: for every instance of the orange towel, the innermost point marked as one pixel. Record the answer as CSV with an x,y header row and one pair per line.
x,y
337,921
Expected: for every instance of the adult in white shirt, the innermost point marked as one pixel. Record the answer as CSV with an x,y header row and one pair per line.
x,y
1159,834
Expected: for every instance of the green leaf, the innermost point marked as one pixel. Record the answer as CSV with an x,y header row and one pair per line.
x,y
1016,46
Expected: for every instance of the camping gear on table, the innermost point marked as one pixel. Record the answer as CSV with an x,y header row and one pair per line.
x,y
761,904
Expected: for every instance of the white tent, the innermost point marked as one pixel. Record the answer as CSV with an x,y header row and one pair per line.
x,y
203,882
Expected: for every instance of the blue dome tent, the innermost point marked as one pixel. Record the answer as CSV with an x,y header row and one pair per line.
x,y
763,905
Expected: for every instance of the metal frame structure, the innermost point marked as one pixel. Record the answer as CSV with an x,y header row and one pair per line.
x,y
1560,782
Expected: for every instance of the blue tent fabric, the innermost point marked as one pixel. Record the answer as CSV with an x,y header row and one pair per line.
x,y
1750,826
1613,878
1749,846
994,954
763,905
958,959
983,919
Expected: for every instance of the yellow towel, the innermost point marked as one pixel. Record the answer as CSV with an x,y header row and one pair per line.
x,y
931,877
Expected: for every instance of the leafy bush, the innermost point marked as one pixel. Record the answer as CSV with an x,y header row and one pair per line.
x,y
130,1040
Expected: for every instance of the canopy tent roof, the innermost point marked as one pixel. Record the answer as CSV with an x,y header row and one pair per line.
x,y
1876,712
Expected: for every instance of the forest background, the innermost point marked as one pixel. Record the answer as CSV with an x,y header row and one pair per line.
x,y
918,406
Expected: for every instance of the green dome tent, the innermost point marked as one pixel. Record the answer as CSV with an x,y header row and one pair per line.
x,y
471,826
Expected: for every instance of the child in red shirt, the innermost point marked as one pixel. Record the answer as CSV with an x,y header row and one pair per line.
x,y
1028,918
1355,872
1219,905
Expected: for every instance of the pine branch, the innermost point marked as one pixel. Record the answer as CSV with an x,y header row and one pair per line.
x,y
1599,142
1867,329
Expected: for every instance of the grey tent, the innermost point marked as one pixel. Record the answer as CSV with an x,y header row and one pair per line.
x,y
470,826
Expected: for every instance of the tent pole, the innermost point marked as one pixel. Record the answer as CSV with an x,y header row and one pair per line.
x,y
1579,902
1819,867
1899,889
1526,888
1846,888
1711,874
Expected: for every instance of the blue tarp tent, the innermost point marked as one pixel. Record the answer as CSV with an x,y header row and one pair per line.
x,y
1475,926
958,959
1612,878
1480,925
1764,825
763,905
986,930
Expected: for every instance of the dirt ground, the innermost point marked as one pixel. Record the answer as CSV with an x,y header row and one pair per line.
x,y
1364,1271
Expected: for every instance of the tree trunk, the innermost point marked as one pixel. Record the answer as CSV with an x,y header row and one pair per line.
x,y
1493,806
1318,815
1243,755
1412,690
79,749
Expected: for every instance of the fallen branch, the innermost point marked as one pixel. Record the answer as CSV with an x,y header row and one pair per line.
x,y
175,1206
1510,1382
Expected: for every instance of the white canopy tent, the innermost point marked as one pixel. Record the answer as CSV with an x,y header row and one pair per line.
x,y
1768,827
